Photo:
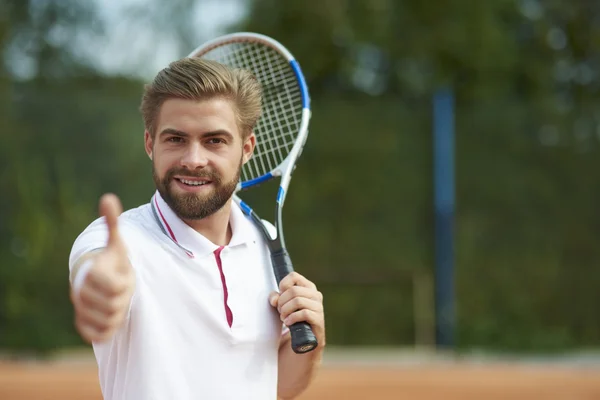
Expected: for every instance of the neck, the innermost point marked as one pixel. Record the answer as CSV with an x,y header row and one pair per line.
x,y
215,227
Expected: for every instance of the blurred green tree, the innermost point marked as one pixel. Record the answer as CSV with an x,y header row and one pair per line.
x,y
524,73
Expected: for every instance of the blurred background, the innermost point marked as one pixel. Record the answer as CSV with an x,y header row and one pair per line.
x,y
486,240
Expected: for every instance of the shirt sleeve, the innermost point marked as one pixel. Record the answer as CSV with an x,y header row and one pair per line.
x,y
95,237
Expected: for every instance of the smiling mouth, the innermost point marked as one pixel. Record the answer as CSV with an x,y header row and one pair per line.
x,y
189,182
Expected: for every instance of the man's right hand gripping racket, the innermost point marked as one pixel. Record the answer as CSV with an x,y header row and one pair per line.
x,y
281,133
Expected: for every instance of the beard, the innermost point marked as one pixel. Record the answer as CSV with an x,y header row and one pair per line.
x,y
192,206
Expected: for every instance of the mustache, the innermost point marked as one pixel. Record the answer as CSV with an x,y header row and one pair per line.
x,y
210,175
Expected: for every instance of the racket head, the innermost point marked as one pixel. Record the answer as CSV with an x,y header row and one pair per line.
x,y
282,128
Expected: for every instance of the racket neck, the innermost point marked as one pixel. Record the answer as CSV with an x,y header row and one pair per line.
x,y
274,243
279,242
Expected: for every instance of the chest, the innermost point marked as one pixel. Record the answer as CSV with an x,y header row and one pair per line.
x,y
225,294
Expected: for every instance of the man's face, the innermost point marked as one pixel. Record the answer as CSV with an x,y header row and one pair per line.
x,y
197,154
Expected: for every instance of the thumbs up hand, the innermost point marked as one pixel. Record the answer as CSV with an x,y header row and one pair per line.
x,y
102,302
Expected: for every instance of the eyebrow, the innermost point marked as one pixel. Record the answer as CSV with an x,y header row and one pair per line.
x,y
177,132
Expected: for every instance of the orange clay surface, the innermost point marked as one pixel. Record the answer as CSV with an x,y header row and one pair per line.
x,y
66,381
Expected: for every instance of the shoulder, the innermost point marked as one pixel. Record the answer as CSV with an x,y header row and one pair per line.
x,y
245,228
133,224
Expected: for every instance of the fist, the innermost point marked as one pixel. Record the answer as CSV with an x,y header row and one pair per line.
x,y
299,300
103,300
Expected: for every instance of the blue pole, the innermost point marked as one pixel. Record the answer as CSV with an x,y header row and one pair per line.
x,y
443,142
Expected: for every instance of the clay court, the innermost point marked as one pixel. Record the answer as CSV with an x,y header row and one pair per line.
x,y
350,380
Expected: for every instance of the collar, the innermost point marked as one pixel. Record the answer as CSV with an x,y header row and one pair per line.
x,y
193,243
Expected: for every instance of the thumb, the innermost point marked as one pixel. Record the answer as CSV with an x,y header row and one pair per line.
x,y
110,208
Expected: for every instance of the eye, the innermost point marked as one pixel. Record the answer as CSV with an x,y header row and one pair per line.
x,y
216,141
175,139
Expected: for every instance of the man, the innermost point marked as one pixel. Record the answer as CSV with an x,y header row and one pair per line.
x,y
177,296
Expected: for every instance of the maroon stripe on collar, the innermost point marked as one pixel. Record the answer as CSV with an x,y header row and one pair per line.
x,y
170,231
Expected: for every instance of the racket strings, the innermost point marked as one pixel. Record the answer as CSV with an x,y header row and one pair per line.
x,y
279,124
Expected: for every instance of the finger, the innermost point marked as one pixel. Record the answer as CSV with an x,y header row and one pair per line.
x,y
299,291
91,332
110,208
109,285
91,298
273,299
297,304
95,318
311,317
87,332
295,279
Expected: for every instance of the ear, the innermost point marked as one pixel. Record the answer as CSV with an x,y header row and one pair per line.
x,y
248,147
148,143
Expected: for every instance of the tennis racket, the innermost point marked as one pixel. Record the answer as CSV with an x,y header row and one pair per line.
x,y
281,133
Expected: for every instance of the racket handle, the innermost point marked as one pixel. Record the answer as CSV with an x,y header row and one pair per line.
x,y
282,264
303,338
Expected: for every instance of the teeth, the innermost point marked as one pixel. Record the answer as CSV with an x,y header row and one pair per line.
x,y
193,183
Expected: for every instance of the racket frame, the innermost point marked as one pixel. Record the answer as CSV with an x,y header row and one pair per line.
x,y
284,170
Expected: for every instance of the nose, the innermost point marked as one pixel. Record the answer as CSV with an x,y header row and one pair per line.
x,y
194,157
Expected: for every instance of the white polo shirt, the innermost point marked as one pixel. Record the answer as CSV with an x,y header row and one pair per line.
x,y
200,324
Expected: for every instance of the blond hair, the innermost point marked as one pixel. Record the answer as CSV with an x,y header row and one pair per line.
x,y
200,79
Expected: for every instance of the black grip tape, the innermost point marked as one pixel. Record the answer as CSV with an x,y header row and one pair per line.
x,y
303,338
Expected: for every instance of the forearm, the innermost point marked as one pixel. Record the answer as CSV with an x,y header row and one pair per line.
x,y
296,371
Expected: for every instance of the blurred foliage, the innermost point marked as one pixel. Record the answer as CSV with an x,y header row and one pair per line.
x,y
359,218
